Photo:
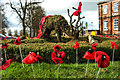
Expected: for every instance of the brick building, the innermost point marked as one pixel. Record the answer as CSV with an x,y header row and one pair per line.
x,y
109,17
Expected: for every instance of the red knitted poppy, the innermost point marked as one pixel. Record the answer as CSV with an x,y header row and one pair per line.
x,y
102,59
7,64
113,44
76,46
4,46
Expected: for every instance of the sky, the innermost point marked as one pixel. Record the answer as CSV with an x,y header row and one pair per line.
x,y
59,7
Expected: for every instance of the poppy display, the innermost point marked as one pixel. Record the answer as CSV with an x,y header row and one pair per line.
x,y
102,59
90,54
57,48
78,11
113,44
5,64
76,46
31,58
58,58
17,41
94,46
4,46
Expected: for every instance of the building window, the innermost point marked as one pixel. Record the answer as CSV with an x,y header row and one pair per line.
x,y
115,7
105,9
105,25
115,24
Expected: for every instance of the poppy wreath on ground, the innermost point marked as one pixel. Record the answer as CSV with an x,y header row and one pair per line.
x,y
102,59
94,46
17,41
31,58
58,58
113,44
57,48
78,11
4,64
76,46
4,46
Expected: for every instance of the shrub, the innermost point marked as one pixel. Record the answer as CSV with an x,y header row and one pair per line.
x,y
46,50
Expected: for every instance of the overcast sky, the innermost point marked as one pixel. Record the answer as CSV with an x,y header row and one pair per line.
x,y
59,7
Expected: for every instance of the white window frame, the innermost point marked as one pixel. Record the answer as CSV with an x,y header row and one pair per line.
x,y
105,25
115,24
115,7
105,9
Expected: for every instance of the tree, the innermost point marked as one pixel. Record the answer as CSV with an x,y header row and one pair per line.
x,y
9,32
35,13
16,33
75,28
3,19
21,9
3,31
21,32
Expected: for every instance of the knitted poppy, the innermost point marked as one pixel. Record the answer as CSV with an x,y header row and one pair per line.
x,y
61,54
105,35
4,64
94,46
113,44
101,36
17,41
31,58
90,54
56,59
102,59
57,48
4,46
5,38
38,57
115,37
76,46
78,11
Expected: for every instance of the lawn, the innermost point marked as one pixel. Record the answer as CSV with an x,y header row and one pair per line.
x,y
45,70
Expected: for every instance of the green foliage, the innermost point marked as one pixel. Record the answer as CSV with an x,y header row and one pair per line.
x,y
69,71
46,48
9,32
16,33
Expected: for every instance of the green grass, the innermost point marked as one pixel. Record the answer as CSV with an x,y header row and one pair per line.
x,y
46,70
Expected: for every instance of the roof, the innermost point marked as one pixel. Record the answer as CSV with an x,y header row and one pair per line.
x,y
102,2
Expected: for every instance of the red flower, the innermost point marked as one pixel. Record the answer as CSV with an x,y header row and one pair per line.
x,y
105,35
90,54
4,46
39,57
57,59
5,64
109,36
76,46
31,58
113,44
78,11
17,41
115,37
102,59
57,48
5,38
62,54
94,46
101,36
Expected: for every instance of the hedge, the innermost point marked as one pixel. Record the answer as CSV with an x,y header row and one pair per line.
x,y
46,49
